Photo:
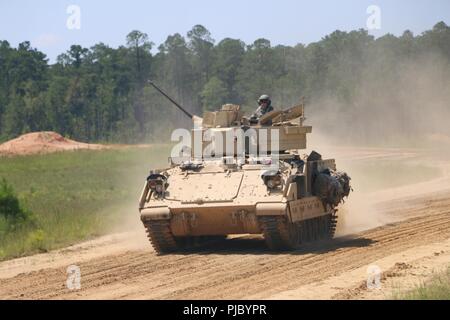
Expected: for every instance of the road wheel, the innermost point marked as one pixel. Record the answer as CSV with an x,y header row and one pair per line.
x,y
280,234
161,237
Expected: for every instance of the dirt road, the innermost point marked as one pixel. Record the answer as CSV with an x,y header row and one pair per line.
x,y
125,267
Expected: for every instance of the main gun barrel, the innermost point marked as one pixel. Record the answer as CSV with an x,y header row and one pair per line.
x,y
171,100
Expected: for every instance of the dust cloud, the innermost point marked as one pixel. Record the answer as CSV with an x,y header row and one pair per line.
x,y
407,111
409,107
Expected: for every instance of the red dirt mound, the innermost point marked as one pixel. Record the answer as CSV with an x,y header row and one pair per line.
x,y
43,142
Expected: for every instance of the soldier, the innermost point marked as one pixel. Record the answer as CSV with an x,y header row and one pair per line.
x,y
265,106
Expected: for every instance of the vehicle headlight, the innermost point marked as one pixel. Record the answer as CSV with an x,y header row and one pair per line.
x,y
272,179
157,183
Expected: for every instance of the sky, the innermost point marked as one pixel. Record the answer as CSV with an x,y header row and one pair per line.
x,y
45,22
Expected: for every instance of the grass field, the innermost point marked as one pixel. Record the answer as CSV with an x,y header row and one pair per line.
x,y
438,288
75,195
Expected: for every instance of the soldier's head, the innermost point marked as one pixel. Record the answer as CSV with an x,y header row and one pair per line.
x,y
264,101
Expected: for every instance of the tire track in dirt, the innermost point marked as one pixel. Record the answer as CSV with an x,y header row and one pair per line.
x,y
240,268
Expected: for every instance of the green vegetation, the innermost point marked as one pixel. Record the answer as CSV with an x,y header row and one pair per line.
x,y
11,211
366,86
14,218
70,196
438,288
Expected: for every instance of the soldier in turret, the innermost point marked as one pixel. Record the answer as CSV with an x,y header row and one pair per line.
x,y
265,106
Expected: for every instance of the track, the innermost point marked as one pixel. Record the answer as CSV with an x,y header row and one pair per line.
x,y
236,268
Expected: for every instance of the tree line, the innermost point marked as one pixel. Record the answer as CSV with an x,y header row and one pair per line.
x,y
101,93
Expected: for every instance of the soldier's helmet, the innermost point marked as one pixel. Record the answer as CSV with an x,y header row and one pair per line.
x,y
264,97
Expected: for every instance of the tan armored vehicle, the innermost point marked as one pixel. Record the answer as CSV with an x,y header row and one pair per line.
x,y
243,178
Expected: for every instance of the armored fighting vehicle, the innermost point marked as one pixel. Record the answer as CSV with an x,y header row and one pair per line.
x,y
243,176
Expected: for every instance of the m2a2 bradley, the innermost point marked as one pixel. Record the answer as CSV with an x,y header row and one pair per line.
x,y
256,184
